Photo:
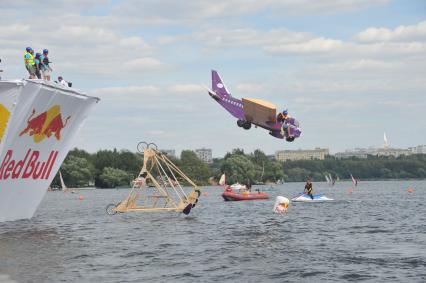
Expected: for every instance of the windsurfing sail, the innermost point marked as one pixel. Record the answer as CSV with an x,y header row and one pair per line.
x,y
332,180
222,180
63,186
354,181
386,141
263,171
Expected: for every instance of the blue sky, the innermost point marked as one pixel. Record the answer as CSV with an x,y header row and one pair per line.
x,y
347,70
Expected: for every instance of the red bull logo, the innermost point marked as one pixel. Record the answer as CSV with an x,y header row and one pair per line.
x,y
45,124
32,166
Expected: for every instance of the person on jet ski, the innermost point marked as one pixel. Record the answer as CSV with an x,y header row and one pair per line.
x,y
308,188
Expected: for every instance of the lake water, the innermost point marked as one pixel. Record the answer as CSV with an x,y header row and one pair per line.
x,y
375,234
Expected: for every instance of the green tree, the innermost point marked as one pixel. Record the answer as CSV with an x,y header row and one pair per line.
x,y
129,162
113,177
81,153
194,168
77,171
273,172
239,168
298,174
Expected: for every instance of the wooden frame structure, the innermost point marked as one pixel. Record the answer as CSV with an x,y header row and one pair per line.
x,y
158,186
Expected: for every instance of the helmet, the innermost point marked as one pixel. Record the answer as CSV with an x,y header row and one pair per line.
x,y
45,51
37,55
285,111
28,49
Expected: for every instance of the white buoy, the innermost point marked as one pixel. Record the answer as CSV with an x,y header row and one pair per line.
x,y
281,205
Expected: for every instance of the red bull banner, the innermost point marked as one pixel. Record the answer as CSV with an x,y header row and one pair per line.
x,y
38,123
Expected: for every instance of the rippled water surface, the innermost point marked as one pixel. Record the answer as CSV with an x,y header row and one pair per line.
x,y
375,234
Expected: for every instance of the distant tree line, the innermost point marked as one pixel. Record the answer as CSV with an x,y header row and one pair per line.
x,y
371,168
113,168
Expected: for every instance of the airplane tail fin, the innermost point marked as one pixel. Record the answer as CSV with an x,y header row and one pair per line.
x,y
218,86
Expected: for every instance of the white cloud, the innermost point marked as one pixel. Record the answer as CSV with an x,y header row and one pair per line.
x,y
250,88
142,64
401,33
163,12
224,37
185,88
93,50
274,41
323,7
316,45
126,90
152,96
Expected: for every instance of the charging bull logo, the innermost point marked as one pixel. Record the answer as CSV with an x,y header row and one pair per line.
x,y
45,124
4,117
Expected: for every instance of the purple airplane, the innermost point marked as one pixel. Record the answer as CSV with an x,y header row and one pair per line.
x,y
253,111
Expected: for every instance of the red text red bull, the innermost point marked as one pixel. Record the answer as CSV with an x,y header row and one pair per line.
x,y
32,166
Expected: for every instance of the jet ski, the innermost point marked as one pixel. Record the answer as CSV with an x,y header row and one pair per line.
x,y
306,198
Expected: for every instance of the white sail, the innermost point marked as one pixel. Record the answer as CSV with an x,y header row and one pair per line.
x,y
354,181
331,180
64,187
327,179
37,131
222,180
386,141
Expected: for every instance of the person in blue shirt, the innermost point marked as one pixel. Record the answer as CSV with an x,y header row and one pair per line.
x,y
37,62
47,70
283,118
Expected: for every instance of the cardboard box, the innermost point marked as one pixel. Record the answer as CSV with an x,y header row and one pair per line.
x,y
259,111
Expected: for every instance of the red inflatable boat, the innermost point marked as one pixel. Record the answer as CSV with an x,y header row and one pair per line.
x,y
231,195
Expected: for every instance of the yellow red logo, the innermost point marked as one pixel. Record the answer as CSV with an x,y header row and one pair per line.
x,y
45,124
4,118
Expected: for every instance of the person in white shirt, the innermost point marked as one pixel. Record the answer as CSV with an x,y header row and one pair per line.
x,y
62,81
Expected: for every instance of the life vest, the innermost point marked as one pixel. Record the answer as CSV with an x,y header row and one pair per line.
x,y
308,187
29,61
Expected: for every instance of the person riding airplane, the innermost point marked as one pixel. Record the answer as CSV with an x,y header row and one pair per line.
x,y
282,118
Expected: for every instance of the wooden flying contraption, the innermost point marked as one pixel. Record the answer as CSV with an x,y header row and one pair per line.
x,y
158,186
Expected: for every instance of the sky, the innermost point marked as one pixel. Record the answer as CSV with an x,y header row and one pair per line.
x,y
347,70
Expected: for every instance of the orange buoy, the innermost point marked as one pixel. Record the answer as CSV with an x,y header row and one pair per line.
x,y
81,197
410,190
205,194
350,190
